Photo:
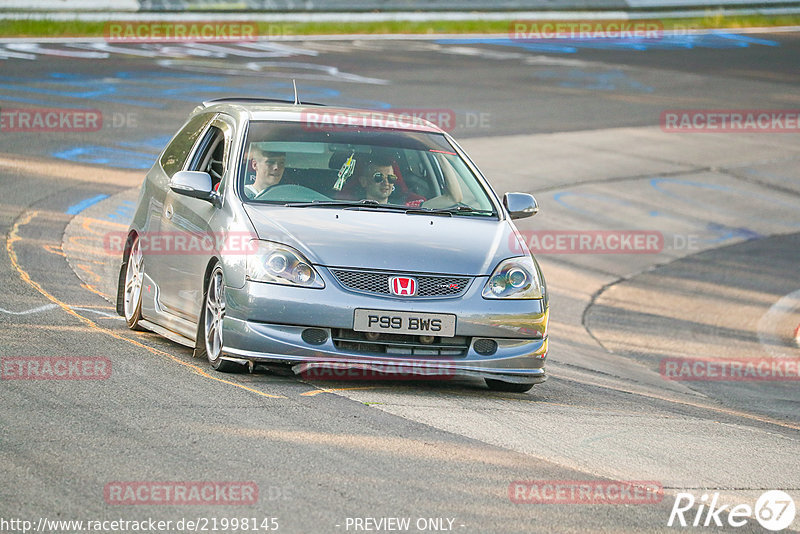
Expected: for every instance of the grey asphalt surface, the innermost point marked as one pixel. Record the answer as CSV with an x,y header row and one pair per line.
x,y
579,130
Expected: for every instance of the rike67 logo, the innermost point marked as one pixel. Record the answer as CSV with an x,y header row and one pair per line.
x,y
774,510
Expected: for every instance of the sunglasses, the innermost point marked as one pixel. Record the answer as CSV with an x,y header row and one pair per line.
x,y
379,176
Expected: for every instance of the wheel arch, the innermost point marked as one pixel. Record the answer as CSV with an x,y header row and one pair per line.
x,y
213,261
126,253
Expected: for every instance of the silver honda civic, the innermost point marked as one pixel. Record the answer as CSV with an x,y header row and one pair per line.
x,y
334,242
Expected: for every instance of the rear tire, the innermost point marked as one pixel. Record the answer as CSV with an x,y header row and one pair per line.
x,y
209,341
509,387
132,288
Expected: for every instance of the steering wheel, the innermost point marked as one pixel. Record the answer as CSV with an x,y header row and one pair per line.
x,y
290,193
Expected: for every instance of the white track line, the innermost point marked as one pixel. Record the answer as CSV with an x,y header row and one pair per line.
x,y
31,311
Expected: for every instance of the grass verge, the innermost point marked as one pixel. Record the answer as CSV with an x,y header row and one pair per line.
x,y
49,28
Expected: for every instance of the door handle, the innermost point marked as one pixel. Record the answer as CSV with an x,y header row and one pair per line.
x,y
168,211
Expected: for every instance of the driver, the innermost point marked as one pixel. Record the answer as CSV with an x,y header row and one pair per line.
x,y
269,168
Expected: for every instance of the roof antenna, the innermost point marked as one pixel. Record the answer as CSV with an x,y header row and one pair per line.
x,y
296,100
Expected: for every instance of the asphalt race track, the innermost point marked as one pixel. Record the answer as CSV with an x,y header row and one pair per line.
x,y
577,125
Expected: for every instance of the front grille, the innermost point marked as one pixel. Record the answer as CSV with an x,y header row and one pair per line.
x,y
399,344
377,282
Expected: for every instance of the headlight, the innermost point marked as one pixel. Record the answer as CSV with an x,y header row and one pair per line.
x,y
279,264
514,278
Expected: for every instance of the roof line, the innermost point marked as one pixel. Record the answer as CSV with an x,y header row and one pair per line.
x,y
255,100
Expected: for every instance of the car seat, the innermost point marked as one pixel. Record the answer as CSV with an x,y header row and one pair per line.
x,y
352,188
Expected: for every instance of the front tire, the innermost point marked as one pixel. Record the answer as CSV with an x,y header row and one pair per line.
x,y
132,290
209,330
509,387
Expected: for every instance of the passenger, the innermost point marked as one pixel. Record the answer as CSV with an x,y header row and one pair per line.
x,y
378,182
269,168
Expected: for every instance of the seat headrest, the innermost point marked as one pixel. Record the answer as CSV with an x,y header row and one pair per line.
x,y
337,160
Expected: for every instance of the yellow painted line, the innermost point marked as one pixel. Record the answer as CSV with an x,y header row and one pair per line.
x,y
85,268
87,222
76,244
54,249
13,237
44,244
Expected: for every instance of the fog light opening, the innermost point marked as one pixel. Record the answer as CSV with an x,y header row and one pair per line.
x,y
485,347
314,336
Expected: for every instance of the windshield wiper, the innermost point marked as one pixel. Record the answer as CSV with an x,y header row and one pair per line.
x,y
455,210
346,204
469,209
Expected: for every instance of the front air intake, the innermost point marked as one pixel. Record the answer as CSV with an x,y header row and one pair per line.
x,y
485,347
314,336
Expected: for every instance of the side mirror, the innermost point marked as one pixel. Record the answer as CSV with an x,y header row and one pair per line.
x,y
194,184
520,205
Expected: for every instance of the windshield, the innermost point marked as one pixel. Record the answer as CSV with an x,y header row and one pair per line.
x,y
293,164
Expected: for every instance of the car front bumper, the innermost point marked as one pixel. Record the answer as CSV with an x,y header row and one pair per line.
x,y
264,323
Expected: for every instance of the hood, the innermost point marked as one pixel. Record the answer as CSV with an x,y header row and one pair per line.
x,y
371,239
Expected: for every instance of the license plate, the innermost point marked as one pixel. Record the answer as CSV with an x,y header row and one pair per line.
x,y
393,322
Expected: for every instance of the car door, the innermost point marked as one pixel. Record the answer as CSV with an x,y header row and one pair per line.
x,y
186,224
173,159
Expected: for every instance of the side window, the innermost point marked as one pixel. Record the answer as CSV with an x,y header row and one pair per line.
x,y
176,152
210,155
